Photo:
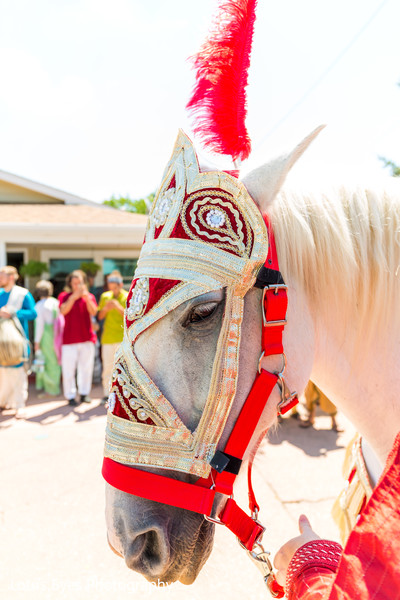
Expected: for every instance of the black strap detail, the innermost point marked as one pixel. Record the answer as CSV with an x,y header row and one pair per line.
x,y
268,277
225,462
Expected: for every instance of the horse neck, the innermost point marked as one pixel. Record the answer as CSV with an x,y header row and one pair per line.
x,y
362,383
341,251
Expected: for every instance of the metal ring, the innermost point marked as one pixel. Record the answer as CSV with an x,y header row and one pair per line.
x,y
216,521
281,372
284,365
259,361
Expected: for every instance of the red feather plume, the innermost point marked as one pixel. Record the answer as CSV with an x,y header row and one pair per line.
x,y
218,101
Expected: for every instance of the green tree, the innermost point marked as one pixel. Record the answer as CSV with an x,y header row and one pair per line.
x,y
33,268
395,169
141,206
90,268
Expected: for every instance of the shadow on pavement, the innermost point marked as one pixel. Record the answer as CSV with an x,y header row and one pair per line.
x,y
60,412
313,441
47,410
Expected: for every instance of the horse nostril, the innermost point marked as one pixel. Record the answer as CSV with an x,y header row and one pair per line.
x,y
157,549
135,549
149,553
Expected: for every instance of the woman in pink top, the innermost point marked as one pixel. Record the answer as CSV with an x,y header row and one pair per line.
x,y
77,356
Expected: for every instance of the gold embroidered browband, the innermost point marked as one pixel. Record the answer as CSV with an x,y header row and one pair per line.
x,y
204,233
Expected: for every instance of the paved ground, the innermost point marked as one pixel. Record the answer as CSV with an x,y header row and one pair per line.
x,y
52,531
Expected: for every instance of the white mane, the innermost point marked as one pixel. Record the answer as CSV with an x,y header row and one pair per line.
x,y
343,245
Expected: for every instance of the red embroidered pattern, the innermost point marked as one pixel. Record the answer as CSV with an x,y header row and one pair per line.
x,y
119,410
232,234
323,554
157,289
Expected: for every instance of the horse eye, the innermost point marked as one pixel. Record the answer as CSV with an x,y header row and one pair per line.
x,y
202,312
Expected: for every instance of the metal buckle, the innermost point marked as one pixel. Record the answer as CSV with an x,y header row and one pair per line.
x,y
216,521
286,395
212,519
276,288
260,558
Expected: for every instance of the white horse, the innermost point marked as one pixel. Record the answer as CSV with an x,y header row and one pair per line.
x,y
339,254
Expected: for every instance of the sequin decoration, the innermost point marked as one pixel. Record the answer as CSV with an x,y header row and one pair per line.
x,y
215,218
128,395
111,401
139,298
219,220
141,414
163,207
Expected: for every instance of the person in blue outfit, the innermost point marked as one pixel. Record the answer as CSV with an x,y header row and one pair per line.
x,y
18,303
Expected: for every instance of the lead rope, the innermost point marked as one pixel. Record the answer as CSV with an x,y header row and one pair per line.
x,y
258,555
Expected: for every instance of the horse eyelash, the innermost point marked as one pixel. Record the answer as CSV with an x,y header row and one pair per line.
x,y
198,310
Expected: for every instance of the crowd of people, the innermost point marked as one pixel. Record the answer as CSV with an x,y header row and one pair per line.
x,y
65,334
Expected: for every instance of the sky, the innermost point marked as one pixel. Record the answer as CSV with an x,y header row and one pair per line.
x,y
92,92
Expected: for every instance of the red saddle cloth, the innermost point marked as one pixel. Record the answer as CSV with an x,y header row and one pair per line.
x,y
369,568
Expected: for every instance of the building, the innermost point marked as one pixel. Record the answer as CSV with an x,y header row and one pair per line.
x,y
38,222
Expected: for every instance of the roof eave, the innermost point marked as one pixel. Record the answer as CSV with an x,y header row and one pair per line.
x,y
73,233
46,190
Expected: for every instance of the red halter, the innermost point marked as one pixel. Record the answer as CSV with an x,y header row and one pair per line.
x,y
199,496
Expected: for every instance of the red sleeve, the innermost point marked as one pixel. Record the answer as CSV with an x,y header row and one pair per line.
x,y
369,566
62,298
93,299
312,570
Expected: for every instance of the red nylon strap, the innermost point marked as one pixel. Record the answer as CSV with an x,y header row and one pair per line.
x,y
274,303
274,307
244,527
173,492
159,488
253,505
250,414
246,422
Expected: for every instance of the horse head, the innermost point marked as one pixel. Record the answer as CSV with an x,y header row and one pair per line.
x,y
191,352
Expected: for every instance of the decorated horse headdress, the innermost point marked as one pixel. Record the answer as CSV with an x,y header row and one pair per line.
x,y
204,233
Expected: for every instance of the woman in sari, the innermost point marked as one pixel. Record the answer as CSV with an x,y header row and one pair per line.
x,y
48,377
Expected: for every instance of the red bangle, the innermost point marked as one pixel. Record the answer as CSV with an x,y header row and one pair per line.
x,y
318,553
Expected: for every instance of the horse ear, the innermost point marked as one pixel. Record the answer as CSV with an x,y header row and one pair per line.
x,y
264,183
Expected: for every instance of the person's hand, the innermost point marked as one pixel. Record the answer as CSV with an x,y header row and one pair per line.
x,y
113,303
85,291
286,552
37,346
5,313
78,293
110,304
